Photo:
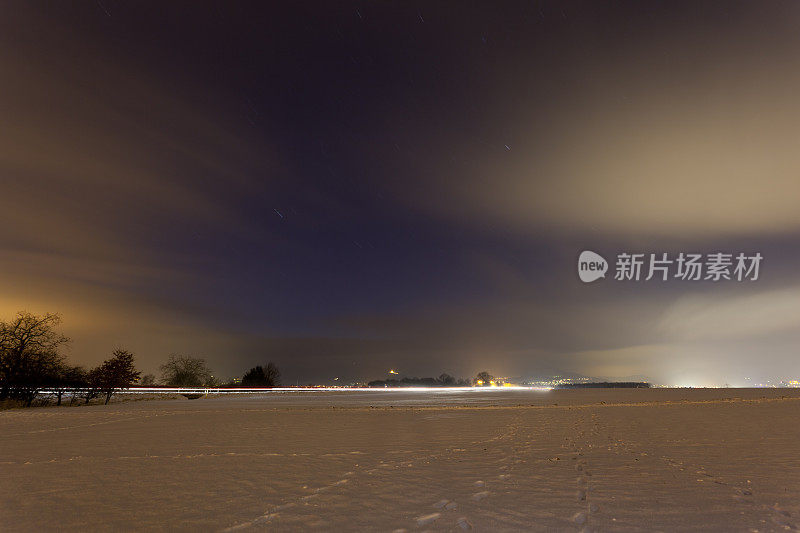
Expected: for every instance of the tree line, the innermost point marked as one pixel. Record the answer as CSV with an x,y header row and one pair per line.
x,y
483,379
187,371
32,361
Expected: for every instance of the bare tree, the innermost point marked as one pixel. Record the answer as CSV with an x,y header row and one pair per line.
x,y
273,374
186,371
148,380
29,354
79,381
259,376
115,373
446,379
67,377
90,390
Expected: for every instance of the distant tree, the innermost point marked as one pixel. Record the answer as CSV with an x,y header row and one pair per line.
x,y
148,380
30,354
446,380
186,371
67,378
259,376
78,381
483,379
255,377
90,389
115,373
273,374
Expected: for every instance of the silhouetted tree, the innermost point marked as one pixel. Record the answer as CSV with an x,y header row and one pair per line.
x,y
67,378
254,377
90,389
483,378
148,380
446,379
262,377
186,371
115,373
273,374
29,354
79,379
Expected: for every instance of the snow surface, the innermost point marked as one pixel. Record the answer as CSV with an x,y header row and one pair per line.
x,y
565,460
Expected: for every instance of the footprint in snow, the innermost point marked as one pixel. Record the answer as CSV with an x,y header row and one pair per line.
x,y
579,518
782,517
424,520
464,524
283,507
478,496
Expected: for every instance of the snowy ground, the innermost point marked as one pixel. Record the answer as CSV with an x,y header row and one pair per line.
x,y
607,460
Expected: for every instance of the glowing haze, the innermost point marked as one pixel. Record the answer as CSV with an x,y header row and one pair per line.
x,y
346,189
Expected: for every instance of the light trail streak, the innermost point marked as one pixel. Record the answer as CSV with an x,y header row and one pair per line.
x,y
256,390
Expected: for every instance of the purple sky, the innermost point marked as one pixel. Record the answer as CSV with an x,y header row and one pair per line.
x,y
345,188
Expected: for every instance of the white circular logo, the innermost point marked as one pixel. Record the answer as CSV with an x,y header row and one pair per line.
x,y
591,266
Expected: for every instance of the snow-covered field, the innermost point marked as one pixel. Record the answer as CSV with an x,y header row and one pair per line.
x,y
606,460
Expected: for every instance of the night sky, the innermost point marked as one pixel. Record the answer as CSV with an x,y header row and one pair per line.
x,y
344,188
